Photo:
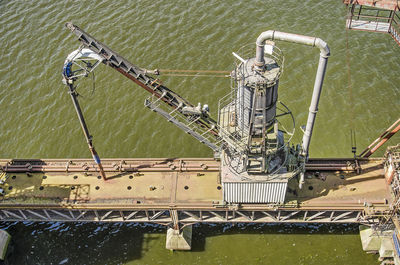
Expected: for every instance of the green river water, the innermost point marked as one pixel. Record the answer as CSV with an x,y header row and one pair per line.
x,y
37,119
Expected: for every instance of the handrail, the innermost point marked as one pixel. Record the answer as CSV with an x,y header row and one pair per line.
x,y
383,138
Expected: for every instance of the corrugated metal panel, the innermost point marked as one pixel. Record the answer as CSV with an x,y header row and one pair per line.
x,y
254,192
244,103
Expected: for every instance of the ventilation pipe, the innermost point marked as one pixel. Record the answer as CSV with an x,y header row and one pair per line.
x,y
319,79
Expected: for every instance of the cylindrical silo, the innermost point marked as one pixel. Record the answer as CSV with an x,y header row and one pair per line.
x,y
257,94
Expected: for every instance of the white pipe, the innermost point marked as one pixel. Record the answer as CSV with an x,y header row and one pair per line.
x,y
319,79
239,58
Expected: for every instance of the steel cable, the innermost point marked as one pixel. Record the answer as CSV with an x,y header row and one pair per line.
x,y
192,73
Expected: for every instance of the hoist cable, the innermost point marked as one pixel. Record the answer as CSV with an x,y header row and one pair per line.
x,y
193,73
186,75
350,93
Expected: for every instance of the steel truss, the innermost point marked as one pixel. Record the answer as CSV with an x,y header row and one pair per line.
x,y
171,217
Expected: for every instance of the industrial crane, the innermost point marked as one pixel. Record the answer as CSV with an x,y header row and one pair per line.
x,y
248,137
194,120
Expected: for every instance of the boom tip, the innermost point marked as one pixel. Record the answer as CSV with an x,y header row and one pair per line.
x,y
70,26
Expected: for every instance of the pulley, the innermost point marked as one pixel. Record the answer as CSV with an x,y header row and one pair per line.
x,y
80,62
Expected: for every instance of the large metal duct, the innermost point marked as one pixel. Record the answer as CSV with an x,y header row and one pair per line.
x,y
319,79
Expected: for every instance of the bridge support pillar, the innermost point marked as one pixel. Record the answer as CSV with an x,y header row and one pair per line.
x,y
374,240
179,239
4,242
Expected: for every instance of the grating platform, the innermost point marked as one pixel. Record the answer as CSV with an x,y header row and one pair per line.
x,y
368,25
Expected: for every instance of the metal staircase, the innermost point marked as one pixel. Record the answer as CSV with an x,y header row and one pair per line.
x,y
188,123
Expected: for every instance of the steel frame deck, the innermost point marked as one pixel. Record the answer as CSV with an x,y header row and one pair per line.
x,y
365,209
164,217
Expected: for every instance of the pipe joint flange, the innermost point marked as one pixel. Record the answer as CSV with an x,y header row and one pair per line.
x,y
324,55
261,45
259,64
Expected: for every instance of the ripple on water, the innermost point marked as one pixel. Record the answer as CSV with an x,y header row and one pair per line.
x,y
38,119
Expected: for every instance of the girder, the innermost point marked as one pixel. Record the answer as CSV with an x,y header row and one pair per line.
x,y
190,216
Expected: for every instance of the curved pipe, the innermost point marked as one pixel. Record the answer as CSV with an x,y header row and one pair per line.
x,y
289,37
319,79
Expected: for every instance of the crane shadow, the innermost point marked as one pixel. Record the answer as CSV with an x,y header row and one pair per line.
x,y
320,184
136,169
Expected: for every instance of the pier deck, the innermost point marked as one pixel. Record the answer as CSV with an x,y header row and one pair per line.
x,y
188,190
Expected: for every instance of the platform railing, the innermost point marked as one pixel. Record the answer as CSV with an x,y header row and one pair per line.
x,y
375,19
395,27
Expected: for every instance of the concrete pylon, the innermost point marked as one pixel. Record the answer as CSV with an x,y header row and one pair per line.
x,y
179,239
376,241
4,242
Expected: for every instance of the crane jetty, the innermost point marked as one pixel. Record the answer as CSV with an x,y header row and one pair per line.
x,y
257,175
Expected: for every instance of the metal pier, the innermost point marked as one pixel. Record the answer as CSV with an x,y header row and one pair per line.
x,y
183,192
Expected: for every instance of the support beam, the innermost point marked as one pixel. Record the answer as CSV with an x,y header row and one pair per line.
x,y
383,138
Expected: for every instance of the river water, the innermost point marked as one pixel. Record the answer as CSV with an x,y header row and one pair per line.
x,y
38,120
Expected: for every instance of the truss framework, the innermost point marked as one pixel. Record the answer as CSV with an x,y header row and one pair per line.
x,y
171,217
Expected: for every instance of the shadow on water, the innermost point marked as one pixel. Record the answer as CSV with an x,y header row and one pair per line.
x,y
202,232
118,243
79,243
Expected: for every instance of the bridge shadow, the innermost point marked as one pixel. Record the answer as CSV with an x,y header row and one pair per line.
x,y
204,232
120,243
81,243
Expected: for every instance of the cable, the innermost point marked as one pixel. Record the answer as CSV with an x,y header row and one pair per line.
x,y
350,91
186,73
193,71
94,85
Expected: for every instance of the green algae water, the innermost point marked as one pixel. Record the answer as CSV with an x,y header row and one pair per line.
x,y
38,120
63,243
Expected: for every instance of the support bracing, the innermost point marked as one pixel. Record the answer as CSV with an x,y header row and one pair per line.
x,y
178,219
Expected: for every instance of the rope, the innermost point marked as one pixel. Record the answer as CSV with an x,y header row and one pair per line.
x,y
93,85
350,90
184,75
90,95
193,71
